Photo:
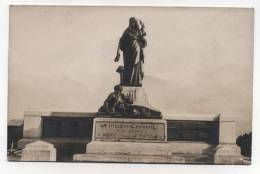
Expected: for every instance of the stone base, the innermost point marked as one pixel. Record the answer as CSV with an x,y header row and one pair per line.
x,y
139,97
228,154
39,151
136,152
137,148
127,158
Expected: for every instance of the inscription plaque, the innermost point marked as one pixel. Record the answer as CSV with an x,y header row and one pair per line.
x,y
123,129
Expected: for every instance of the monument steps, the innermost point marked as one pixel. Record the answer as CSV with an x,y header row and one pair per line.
x,y
206,155
167,148
127,158
139,152
197,158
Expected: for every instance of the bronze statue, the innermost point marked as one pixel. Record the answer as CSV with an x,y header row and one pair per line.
x,y
117,102
132,44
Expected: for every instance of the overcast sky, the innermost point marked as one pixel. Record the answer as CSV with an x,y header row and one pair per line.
x,y
198,60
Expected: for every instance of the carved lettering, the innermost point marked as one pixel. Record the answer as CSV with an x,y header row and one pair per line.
x,y
129,131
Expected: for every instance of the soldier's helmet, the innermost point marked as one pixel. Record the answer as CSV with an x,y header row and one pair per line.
x,y
133,19
118,88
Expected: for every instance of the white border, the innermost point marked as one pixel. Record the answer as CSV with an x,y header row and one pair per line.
x,y
194,3
68,168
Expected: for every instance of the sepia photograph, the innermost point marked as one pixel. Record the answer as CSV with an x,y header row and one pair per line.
x,y
122,84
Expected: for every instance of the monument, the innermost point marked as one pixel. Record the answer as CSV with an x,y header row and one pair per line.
x,y
127,128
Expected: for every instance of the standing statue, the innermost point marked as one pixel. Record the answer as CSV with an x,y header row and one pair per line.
x,y
132,44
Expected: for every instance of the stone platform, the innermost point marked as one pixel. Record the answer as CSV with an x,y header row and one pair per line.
x,y
145,141
167,152
140,141
133,140
39,151
128,140
127,158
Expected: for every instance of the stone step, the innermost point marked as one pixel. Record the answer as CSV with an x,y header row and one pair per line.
x,y
137,148
197,158
127,158
167,152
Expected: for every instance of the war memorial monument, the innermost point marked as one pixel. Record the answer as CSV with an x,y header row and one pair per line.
x,y
127,128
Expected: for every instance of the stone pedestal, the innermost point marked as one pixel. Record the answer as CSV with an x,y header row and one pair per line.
x,y
39,151
227,130
32,125
139,152
99,151
227,152
138,95
129,140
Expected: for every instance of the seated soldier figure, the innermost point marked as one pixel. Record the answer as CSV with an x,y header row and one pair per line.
x,y
117,102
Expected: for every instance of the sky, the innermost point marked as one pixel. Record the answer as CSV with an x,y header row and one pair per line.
x,y
198,61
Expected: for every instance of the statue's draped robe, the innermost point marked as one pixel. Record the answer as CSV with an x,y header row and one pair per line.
x,y
132,44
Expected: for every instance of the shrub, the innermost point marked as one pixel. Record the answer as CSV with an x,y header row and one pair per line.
x,y
245,143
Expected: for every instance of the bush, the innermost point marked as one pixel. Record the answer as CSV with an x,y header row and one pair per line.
x,y
245,143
